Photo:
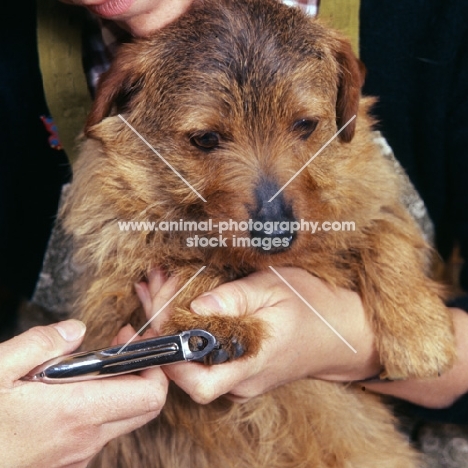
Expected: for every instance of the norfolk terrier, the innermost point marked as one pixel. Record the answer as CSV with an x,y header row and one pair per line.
x,y
237,96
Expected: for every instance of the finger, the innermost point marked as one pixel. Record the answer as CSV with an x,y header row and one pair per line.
x,y
147,290
160,307
125,334
122,397
156,280
239,297
143,294
237,399
86,447
204,384
115,429
22,353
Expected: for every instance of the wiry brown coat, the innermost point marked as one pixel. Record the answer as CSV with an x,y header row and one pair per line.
x,y
249,70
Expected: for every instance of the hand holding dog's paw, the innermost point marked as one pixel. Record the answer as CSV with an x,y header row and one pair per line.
x,y
297,345
237,336
221,353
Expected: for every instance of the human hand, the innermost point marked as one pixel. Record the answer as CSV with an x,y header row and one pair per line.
x,y
65,425
300,344
139,17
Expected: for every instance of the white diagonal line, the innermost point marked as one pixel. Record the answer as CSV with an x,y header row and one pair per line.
x,y
312,158
137,334
313,310
160,157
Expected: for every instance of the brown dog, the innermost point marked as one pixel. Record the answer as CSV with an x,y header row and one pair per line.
x,y
238,95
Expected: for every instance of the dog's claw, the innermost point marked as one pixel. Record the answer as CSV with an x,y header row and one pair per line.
x,y
218,356
236,338
238,349
223,354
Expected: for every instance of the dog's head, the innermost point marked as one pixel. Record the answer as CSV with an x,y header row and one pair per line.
x,y
236,96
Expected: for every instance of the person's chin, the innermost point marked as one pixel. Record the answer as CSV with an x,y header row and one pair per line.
x,y
111,9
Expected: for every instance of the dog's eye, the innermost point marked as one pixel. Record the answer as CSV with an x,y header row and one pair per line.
x,y
304,128
205,141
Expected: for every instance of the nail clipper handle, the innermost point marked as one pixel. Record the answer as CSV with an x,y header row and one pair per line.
x,y
119,360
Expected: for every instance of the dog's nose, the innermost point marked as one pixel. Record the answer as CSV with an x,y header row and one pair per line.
x,y
271,220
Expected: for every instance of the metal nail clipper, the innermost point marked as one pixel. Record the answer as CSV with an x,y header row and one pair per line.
x,y
191,345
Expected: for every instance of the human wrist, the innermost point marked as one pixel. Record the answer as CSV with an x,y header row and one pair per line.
x,y
363,368
344,345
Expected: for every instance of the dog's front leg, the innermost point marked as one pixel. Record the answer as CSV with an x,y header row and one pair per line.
x,y
237,336
413,328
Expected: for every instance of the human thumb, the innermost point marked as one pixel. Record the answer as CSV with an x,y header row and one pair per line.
x,y
237,298
22,353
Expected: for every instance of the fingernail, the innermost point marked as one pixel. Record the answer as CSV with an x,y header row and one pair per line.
x,y
71,330
206,304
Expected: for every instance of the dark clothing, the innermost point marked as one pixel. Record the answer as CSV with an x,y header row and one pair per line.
x,y
31,172
416,54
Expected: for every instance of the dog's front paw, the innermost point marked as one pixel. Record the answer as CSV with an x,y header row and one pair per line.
x,y
226,351
416,354
236,336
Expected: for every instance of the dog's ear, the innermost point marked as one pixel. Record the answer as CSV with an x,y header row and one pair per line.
x,y
351,78
115,89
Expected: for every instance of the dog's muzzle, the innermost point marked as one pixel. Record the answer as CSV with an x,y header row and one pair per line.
x,y
271,219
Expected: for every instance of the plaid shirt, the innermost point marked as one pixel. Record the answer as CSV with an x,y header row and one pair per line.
x,y
102,39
